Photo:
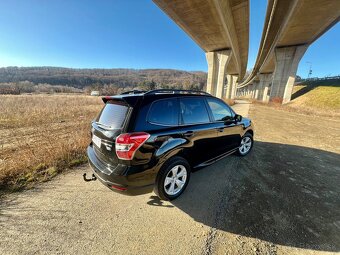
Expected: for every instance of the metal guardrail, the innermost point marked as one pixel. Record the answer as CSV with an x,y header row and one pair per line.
x,y
321,79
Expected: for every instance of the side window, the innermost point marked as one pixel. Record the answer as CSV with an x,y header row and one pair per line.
x,y
164,112
193,110
220,111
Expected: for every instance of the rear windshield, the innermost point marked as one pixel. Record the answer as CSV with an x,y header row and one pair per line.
x,y
112,115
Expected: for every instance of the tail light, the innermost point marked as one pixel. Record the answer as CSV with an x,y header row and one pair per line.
x,y
128,144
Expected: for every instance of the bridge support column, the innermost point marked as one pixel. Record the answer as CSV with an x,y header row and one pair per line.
x,y
287,60
217,66
227,90
256,90
265,80
212,69
252,90
259,91
230,91
233,88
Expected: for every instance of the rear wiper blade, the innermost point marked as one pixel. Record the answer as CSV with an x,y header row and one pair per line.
x,y
106,126
101,124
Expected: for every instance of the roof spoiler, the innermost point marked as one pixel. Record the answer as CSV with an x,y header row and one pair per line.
x,y
130,100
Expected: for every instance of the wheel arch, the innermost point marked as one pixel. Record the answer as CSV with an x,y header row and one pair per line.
x,y
250,131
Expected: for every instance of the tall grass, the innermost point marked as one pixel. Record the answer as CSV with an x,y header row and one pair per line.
x,y
317,100
325,97
40,135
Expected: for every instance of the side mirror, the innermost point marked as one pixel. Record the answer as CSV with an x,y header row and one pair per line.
x,y
238,118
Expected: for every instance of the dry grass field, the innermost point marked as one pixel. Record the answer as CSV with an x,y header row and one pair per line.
x,y
324,98
40,135
320,98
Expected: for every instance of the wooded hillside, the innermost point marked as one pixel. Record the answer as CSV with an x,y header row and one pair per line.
x,y
81,78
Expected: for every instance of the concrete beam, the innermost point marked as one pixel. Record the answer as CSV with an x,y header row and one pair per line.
x,y
292,22
214,25
286,63
217,66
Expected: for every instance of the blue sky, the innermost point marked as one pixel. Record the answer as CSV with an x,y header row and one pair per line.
x,y
127,34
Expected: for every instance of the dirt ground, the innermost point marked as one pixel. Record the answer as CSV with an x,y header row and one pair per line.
x,y
283,198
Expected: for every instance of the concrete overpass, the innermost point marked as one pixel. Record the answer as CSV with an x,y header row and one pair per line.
x,y
221,29
290,27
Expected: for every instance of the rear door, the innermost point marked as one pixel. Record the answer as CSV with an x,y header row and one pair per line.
x,y
109,124
228,130
197,128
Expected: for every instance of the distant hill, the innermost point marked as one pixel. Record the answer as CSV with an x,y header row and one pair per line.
x,y
81,78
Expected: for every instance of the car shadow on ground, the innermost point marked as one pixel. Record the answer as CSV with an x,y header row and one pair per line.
x,y
284,194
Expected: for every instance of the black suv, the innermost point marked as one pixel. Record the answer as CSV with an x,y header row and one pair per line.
x,y
153,140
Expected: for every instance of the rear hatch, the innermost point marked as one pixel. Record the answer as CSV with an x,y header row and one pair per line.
x,y
109,124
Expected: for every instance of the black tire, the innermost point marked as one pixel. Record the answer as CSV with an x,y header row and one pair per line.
x,y
164,171
239,151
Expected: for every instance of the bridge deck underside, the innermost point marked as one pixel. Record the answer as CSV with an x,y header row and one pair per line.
x,y
214,26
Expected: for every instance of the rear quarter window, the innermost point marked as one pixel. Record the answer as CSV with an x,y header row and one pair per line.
x,y
113,115
164,112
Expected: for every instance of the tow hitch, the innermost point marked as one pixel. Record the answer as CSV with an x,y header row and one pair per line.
x,y
89,179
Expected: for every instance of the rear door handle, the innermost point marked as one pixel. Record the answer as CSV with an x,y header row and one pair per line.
x,y
188,134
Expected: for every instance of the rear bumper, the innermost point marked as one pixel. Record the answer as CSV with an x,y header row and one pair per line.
x,y
135,184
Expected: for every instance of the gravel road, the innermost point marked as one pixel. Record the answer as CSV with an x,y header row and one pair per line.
x,y
281,199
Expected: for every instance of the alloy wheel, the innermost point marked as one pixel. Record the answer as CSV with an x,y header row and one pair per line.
x,y
175,180
246,143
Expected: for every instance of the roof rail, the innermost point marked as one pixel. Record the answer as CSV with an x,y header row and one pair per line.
x,y
175,91
133,92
